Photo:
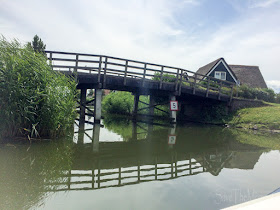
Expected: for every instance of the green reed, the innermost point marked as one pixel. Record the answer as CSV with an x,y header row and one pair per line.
x,y
35,101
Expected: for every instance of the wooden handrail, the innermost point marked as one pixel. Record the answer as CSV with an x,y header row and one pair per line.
x,y
126,67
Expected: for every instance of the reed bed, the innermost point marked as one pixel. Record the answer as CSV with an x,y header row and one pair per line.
x,y
35,101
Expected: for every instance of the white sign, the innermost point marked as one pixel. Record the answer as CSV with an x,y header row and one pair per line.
x,y
174,106
171,139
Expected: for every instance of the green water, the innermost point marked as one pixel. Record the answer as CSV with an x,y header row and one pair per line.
x,y
126,165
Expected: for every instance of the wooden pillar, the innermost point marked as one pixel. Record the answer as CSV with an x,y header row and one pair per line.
x,y
83,99
151,105
173,113
135,105
81,132
95,137
97,105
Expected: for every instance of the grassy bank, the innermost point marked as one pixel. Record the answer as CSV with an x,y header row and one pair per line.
x,y
260,118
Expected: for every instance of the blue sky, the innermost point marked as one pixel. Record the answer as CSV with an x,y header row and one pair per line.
x,y
181,33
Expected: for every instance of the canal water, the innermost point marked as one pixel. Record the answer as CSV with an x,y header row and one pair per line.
x,y
134,165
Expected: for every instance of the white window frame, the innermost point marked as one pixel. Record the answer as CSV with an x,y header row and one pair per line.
x,y
218,75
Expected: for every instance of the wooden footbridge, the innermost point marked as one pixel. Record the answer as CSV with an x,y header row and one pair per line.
x,y
141,78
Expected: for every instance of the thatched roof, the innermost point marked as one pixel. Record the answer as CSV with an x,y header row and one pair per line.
x,y
205,69
208,67
249,75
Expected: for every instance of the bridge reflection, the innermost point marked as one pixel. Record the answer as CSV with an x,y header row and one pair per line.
x,y
99,164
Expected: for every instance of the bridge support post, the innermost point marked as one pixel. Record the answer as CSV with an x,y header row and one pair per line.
x,y
81,133
151,105
173,113
135,105
97,105
83,99
95,137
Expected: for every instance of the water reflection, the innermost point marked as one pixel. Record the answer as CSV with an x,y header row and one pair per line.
x,y
145,153
25,170
156,151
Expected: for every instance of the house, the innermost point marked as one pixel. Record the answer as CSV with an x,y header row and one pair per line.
x,y
239,74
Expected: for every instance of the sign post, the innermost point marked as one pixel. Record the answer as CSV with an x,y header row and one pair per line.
x,y
174,106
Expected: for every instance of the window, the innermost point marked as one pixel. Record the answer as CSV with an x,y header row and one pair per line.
x,y
220,75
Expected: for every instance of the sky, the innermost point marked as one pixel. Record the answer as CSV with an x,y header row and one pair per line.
x,y
180,33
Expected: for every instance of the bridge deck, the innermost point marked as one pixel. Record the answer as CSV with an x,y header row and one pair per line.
x,y
150,87
105,72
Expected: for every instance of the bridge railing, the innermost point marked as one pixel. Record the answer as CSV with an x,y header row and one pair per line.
x,y
126,68
116,177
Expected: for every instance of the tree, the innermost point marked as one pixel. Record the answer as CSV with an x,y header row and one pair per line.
x,y
37,44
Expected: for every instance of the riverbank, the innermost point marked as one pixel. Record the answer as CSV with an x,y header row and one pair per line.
x,y
259,118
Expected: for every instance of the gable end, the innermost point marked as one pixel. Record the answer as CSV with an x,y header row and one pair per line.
x,y
222,66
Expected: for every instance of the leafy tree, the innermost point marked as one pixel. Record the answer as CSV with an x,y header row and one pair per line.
x,y
37,44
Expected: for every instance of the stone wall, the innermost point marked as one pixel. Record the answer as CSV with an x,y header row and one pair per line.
x,y
239,103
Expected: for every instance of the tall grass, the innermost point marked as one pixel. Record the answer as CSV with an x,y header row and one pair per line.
x,y
34,100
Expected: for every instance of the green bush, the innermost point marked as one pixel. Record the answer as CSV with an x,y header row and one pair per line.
x,y
118,102
257,93
34,99
277,98
165,77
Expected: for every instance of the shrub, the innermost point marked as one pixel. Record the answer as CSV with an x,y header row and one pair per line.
x,y
165,77
265,94
277,98
34,99
118,102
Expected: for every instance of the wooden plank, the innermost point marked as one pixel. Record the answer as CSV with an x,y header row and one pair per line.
x,y
144,75
156,168
51,59
105,69
190,166
141,62
177,79
161,74
99,68
137,67
181,81
194,84
76,64
70,53
78,67
125,72
73,60
138,170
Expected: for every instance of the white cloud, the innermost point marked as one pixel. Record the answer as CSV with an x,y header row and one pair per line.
x,y
145,30
274,84
263,3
